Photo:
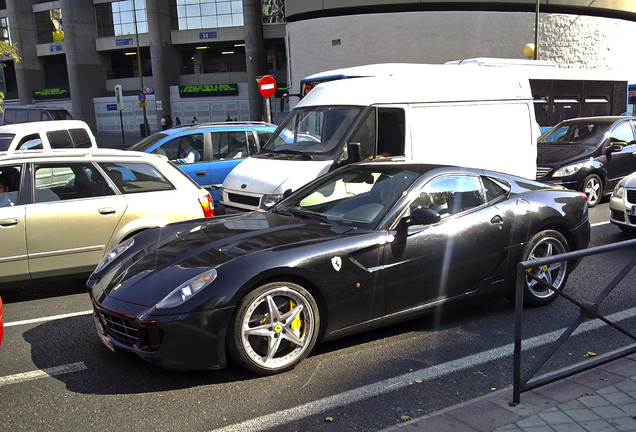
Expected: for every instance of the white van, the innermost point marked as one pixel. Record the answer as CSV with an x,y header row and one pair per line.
x,y
45,135
473,117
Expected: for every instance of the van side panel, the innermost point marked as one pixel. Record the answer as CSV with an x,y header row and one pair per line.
x,y
487,135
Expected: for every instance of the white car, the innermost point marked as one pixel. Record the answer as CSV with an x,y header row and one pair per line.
x,y
65,209
623,204
46,135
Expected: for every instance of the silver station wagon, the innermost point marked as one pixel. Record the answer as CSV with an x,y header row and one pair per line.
x,y
62,210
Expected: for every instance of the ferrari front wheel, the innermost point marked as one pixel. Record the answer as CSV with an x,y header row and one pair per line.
x,y
545,244
274,328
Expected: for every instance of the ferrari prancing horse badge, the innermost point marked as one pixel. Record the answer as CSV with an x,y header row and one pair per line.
x,y
336,262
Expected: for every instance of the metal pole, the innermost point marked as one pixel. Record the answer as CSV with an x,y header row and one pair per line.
x,y
536,33
141,72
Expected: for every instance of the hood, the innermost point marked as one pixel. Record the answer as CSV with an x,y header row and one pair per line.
x,y
169,256
559,155
272,176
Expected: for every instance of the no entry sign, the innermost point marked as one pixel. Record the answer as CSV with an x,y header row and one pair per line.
x,y
267,86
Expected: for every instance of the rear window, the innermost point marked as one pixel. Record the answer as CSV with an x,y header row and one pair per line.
x,y
60,139
5,141
135,177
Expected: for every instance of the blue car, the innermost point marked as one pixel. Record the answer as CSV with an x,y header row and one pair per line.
x,y
215,148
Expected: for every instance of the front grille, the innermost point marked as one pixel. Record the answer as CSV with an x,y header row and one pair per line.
x,y
632,219
244,199
631,195
121,328
618,215
542,172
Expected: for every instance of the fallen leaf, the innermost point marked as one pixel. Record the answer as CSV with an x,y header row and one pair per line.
x,y
405,418
589,394
493,388
418,381
329,419
590,354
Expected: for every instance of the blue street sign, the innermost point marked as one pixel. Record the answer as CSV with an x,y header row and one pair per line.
x,y
207,35
111,107
56,48
123,42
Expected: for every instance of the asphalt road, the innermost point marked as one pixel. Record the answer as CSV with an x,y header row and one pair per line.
x,y
56,375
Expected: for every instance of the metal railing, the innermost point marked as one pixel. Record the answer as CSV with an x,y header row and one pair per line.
x,y
587,310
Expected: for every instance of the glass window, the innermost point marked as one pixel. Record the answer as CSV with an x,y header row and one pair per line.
x,y
135,177
60,139
229,145
5,36
49,26
30,142
449,195
9,185
80,138
273,11
124,15
5,141
59,181
198,14
494,188
623,132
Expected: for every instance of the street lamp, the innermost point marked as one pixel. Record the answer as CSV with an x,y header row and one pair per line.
x,y
146,126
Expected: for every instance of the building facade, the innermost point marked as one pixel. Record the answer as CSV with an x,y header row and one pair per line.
x,y
202,58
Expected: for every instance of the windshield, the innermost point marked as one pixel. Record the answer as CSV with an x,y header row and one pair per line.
x,y
5,141
147,142
583,133
312,130
357,196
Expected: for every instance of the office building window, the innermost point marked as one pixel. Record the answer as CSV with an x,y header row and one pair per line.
x,y
5,36
49,26
199,14
3,4
124,15
273,11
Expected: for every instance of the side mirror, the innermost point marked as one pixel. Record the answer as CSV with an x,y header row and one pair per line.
x,y
615,147
423,216
353,150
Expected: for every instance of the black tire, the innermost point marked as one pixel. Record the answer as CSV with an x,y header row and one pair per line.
x,y
593,189
268,333
541,245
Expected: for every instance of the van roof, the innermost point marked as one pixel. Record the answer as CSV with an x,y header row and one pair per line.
x,y
423,83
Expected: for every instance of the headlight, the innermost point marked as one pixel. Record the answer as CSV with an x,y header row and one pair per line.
x,y
619,190
186,290
270,200
114,253
568,170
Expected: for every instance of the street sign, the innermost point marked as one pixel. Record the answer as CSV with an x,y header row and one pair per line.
x,y
148,90
118,97
267,86
142,97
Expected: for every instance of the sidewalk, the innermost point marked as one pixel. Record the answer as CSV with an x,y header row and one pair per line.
x,y
602,399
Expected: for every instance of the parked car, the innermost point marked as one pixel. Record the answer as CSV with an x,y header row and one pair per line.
x,y
623,204
221,146
366,245
46,135
65,209
33,113
588,154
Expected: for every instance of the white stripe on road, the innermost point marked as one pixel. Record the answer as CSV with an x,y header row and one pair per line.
x,y
42,373
599,224
375,389
45,319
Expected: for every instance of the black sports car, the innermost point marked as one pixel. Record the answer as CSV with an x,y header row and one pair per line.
x,y
364,246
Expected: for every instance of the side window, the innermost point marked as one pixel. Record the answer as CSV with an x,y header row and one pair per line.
x,y
9,116
60,139
80,138
9,185
390,132
229,145
189,149
30,142
450,195
170,149
135,177
21,115
53,182
365,135
623,132
263,137
494,188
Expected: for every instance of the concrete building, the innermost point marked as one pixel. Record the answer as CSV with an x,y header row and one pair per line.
x,y
201,58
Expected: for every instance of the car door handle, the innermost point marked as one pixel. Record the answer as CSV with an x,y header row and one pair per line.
x,y
8,222
201,173
107,210
496,220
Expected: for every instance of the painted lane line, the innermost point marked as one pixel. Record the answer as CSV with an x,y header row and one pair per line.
x,y
280,418
42,373
599,224
45,319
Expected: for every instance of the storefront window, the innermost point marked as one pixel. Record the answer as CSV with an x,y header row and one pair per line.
x,y
198,14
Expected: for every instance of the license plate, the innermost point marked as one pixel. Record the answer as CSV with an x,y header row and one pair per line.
x,y
106,342
633,210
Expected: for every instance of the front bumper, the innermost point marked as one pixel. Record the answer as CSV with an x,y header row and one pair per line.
x,y
623,210
184,341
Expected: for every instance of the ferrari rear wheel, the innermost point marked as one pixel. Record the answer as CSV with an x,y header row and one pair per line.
x,y
543,245
274,328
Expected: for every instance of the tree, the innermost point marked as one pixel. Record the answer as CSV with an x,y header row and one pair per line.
x,y
7,52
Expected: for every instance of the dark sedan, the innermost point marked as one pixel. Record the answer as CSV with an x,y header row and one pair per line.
x,y
367,245
589,154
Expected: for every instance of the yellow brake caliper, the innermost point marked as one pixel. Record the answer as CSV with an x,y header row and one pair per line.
x,y
296,323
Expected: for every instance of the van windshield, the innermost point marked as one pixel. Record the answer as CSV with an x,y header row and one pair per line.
x,y
311,131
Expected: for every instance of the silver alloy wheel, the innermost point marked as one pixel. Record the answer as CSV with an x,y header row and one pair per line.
x,y
278,328
553,274
592,189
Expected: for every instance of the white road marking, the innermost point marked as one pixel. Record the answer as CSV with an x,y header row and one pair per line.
x,y
599,224
45,319
279,418
42,373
